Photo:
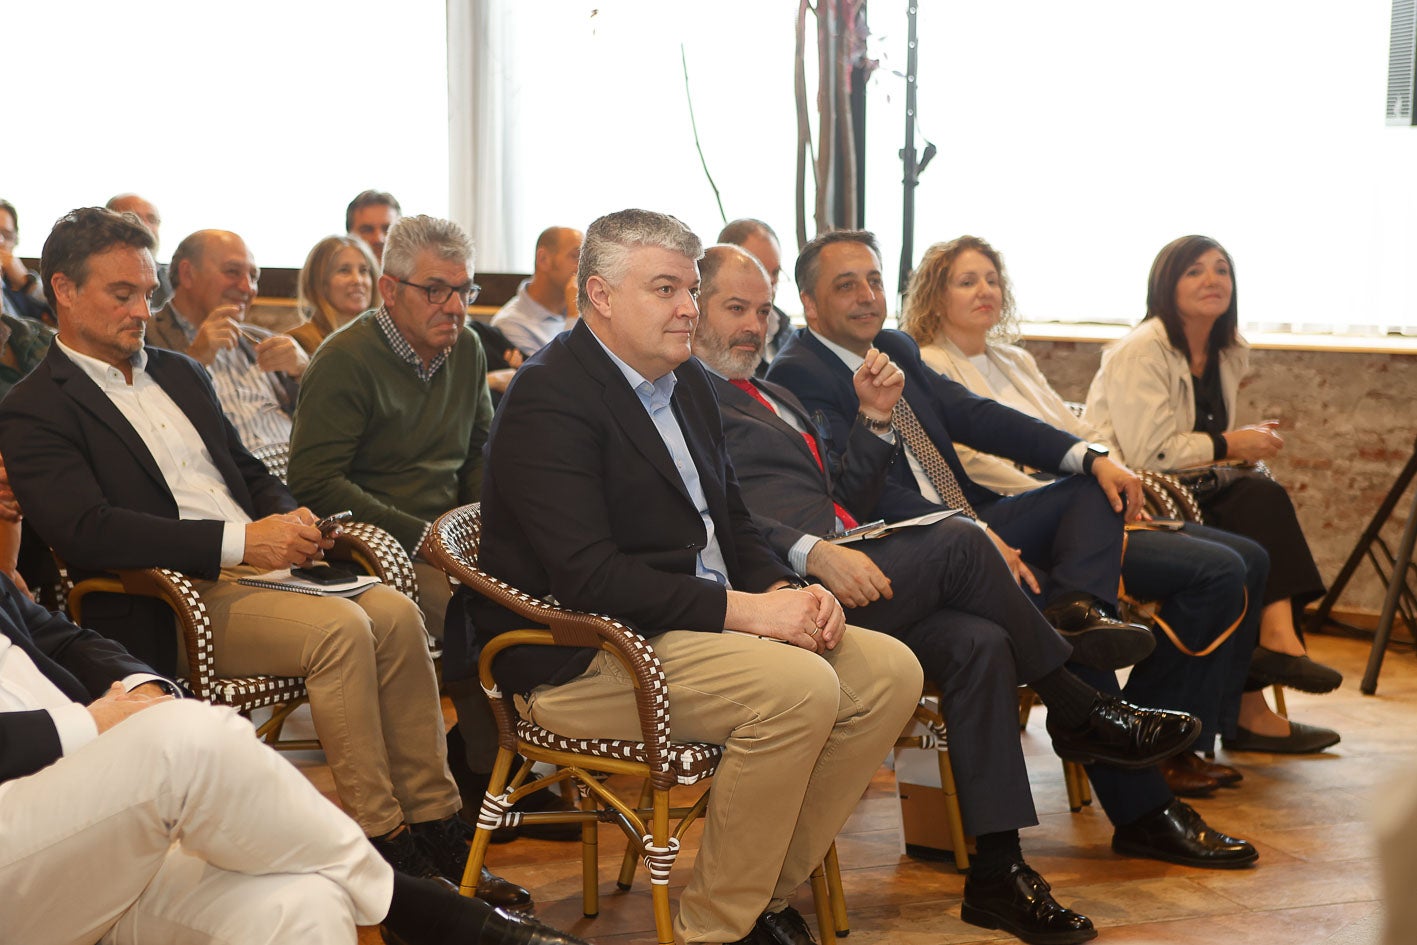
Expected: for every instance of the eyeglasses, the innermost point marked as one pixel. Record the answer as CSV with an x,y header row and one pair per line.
x,y
438,293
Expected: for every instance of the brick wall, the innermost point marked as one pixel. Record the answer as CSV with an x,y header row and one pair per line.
x,y
1349,421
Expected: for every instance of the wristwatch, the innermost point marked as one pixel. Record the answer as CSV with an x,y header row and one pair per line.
x,y
1095,451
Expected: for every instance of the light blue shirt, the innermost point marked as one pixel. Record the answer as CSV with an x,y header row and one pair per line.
x,y
527,323
656,397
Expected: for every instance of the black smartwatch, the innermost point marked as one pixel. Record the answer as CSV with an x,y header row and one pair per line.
x,y
1095,451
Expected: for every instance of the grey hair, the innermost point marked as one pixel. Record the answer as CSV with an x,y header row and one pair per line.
x,y
605,252
413,235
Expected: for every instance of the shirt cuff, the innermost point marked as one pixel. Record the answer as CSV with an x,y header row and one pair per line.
x,y
75,726
134,680
797,554
1072,459
233,544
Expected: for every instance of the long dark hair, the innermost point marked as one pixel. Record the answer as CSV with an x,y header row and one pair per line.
x,y
1170,264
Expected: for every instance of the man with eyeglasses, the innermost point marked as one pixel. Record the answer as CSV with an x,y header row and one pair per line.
x,y
392,415
21,295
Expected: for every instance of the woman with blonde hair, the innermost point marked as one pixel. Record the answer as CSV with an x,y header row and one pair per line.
x,y
339,282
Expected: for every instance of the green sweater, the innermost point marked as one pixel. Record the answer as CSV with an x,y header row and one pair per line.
x,y
371,437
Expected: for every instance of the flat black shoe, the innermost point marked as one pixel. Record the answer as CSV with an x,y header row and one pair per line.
x,y
784,928
1301,740
510,928
1120,734
404,855
1177,834
1022,905
1296,672
1099,638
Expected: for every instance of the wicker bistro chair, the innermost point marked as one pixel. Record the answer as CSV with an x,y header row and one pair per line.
x,y
584,763
367,546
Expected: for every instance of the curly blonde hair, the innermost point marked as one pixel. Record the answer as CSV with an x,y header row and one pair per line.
x,y
923,314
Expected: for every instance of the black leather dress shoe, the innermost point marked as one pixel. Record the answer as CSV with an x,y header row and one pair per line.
x,y
1301,740
510,928
1099,638
1177,834
784,928
1120,734
1296,672
1022,905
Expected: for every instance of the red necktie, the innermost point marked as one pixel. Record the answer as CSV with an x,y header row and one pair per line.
x,y
751,389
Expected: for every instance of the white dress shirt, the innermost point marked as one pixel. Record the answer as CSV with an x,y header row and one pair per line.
x,y
181,456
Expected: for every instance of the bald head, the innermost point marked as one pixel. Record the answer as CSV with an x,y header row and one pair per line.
x,y
213,269
735,303
142,209
558,251
759,239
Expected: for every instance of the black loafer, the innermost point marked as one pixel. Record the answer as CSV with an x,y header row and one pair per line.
x,y
1120,734
1301,740
1296,672
1098,637
540,801
445,843
1022,905
783,928
1177,834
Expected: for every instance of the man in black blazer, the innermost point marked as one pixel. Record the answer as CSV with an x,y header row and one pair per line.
x,y
120,457
127,816
608,487
943,589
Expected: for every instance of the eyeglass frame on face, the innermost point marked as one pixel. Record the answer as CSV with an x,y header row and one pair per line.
x,y
445,292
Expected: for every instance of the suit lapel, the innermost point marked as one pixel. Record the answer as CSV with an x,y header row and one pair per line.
x,y
624,406
735,399
71,380
206,417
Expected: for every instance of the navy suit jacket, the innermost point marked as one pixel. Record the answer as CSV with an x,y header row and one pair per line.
x,y
80,663
93,492
947,411
581,500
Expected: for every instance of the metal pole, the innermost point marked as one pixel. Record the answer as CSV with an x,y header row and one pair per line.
x,y
907,154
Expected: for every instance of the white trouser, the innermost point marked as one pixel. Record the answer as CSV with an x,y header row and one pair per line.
x,y
178,826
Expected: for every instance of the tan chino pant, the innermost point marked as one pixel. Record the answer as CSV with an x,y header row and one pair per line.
x,y
373,695
802,736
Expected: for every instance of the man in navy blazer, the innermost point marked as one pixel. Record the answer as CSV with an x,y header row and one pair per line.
x,y
121,457
608,487
1063,541
127,816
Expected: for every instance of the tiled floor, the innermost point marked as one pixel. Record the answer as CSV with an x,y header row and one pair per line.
x,y
1316,881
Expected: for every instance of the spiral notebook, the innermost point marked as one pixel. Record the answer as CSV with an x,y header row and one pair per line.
x,y
283,581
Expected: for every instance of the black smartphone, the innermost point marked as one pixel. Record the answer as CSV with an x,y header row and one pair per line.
x,y
324,575
329,523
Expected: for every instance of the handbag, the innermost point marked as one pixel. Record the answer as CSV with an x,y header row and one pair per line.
x,y
1207,482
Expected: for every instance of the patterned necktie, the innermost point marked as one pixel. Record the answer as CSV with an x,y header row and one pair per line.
x,y
928,455
751,389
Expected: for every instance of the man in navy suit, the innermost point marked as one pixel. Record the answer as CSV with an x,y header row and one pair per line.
x,y
1069,532
127,816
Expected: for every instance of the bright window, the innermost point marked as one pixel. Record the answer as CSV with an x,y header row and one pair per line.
x,y
260,117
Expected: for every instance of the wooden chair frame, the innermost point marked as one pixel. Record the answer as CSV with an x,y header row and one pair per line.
x,y
584,763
